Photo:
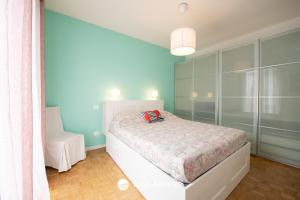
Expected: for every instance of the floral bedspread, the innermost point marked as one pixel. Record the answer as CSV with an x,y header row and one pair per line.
x,y
183,149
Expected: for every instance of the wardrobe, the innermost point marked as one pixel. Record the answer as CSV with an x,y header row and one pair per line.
x,y
254,87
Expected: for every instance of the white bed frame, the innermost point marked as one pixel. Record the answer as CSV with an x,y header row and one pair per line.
x,y
155,184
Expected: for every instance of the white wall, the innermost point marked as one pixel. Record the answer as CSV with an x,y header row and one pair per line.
x,y
250,37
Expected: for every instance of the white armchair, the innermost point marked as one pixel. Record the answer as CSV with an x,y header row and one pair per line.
x,y
63,149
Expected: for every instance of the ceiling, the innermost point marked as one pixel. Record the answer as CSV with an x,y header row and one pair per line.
x,y
153,20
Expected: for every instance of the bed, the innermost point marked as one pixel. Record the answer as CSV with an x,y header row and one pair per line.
x,y
162,171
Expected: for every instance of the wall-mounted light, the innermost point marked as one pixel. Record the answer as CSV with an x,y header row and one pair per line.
x,y
210,94
154,94
115,92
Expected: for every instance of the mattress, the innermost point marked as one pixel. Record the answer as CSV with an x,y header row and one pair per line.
x,y
183,149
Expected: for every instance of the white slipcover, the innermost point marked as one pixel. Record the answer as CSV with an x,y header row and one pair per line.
x,y
63,149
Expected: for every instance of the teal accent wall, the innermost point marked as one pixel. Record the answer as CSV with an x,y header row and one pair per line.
x,y
84,62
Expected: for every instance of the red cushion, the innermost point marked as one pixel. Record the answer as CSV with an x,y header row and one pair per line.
x,y
151,116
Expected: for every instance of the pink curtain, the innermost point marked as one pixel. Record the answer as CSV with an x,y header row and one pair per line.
x,y
26,101
22,101
43,79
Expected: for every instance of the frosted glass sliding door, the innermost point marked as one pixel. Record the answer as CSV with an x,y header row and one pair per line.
x,y
279,130
183,89
254,87
239,90
204,94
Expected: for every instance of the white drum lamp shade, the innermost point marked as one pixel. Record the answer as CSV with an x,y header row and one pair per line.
x,y
183,41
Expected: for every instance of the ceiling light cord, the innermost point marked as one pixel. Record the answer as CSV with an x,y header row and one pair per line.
x,y
183,7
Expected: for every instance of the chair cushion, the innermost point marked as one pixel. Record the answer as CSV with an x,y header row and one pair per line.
x,y
64,150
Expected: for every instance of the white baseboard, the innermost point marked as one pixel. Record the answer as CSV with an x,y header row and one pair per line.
x,y
94,147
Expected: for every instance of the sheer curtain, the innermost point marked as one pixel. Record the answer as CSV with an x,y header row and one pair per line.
x,y
22,169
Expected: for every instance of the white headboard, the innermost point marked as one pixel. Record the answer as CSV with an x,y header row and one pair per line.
x,y
111,108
